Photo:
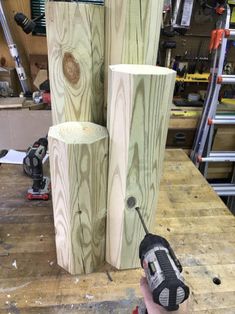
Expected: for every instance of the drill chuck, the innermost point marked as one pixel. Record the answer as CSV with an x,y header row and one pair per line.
x,y
162,270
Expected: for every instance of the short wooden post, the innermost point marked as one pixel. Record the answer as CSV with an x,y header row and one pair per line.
x,y
75,37
78,162
139,101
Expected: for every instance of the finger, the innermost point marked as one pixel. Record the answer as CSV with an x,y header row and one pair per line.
x,y
143,281
145,289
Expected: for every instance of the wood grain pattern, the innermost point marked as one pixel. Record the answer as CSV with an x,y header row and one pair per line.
x,y
75,36
132,30
32,285
78,159
139,102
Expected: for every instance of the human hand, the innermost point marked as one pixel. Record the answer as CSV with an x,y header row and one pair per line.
x,y
154,308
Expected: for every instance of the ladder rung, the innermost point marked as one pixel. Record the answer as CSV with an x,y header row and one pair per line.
x,y
226,79
218,157
226,189
222,119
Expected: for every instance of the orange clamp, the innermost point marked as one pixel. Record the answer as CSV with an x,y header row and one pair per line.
x,y
220,10
213,36
216,38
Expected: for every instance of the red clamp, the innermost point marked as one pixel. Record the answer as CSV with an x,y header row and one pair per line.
x,y
216,39
219,79
46,98
136,311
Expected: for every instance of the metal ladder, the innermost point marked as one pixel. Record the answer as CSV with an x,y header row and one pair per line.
x,y
201,153
14,52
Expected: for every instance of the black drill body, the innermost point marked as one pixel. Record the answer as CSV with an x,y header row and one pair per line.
x,y
33,166
162,270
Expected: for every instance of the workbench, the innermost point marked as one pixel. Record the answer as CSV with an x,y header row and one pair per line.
x,y
190,215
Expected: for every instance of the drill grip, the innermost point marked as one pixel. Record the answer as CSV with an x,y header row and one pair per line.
x,y
172,291
162,270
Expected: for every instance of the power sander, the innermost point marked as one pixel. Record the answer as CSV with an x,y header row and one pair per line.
x,y
162,270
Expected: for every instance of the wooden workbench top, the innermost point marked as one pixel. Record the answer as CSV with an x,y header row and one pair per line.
x,y
190,215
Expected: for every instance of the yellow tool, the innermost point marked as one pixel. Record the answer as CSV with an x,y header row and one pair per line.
x,y
185,114
194,78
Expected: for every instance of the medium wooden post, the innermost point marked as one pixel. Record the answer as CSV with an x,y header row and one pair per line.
x,y
139,101
75,37
132,31
78,162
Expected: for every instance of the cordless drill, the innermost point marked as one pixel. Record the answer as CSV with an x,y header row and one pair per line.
x,y
33,166
162,270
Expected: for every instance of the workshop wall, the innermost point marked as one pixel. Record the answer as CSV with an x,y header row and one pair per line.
x,y
27,44
196,41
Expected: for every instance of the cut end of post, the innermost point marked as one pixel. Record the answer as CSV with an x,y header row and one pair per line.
x,y
78,132
140,69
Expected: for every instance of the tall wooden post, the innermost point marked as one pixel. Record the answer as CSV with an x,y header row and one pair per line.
x,y
132,31
79,161
75,37
139,101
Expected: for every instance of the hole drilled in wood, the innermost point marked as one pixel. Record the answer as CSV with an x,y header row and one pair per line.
x,y
216,281
131,202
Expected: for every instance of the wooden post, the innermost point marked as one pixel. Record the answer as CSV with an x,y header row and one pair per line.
x,y
139,101
75,36
132,31
78,162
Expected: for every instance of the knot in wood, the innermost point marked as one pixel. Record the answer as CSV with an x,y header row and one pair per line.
x,y
71,68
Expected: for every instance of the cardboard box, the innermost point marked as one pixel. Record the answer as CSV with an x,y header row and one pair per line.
x,y
10,76
20,128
